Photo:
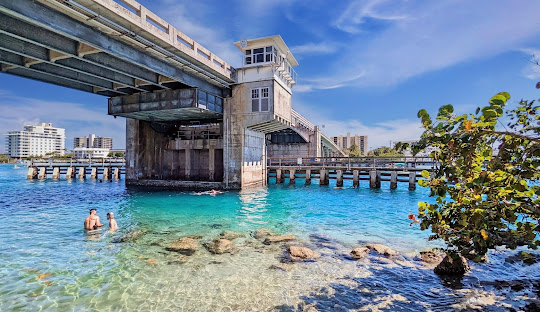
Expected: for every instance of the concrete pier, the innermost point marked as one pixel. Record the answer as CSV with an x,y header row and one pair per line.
x,y
374,179
106,174
323,177
292,178
308,176
56,173
70,172
81,174
393,180
93,173
42,173
339,178
32,173
356,181
412,181
116,174
279,176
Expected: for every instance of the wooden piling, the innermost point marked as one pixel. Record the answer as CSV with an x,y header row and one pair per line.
x,y
308,176
412,181
56,173
292,178
339,178
374,179
355,178
82,173
393,180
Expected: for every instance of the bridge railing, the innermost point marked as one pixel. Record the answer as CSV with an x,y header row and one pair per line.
x,y
71,162
355,162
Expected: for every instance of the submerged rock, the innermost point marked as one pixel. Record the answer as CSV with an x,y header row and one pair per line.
x,y
281,267
229,235
184,245
302,253
383,250
130,236
194,236
451,266
220,246
359,252
431,256
262,233
278,239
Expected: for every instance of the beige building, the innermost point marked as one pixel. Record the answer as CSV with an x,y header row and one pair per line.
x,y
93,141
345,142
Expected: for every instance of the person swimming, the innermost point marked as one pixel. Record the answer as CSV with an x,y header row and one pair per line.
x,y
112,222
92,221
211,193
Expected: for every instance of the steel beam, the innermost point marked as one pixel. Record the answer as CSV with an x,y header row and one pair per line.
x,y
45,17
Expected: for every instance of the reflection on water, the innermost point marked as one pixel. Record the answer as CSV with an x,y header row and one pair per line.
x,y
47,261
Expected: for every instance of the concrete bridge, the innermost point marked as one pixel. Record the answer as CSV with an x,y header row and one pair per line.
x,y
190,115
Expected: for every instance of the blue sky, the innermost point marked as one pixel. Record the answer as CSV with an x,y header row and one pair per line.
x,y
366,67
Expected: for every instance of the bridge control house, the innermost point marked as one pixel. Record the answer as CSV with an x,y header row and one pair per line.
x,y
192,120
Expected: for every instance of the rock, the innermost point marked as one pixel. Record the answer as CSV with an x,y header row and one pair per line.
x,y
431,256
278,239
281,267
526,257
219,246
229,235
302,253
130,236
179,260
184,245
262,233
450,266
194,236
359,252
383,250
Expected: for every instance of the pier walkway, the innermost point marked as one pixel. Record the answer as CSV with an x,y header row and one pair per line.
x,y
372,169
103,169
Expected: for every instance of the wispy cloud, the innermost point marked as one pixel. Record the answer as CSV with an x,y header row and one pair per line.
x,y
315,48
435,35
532,69
76,118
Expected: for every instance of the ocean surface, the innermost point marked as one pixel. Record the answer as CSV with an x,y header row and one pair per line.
x,y
48,262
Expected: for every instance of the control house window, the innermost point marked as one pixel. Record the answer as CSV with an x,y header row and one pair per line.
x,y
259,55
260,100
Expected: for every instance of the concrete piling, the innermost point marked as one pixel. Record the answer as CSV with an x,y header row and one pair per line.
x,y
393,180
323,177
374,179
42,173
69,173
93,173
412,181
292,178
279,177
106,174
339,178
308,176
32,173
355,179
56,173
82,174
116,173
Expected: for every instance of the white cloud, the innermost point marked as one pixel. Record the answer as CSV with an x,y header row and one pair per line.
x,y
532,69
77,119
434,36
315,48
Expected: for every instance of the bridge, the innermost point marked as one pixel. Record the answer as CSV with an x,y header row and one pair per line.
x,y
190,116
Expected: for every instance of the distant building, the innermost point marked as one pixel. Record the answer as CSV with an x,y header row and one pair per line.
x,y
345,142
90,152
93,141
423,153
39,140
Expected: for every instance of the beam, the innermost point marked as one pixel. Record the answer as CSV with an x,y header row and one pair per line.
x,y
45,17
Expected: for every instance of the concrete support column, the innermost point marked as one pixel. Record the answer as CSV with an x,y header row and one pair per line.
x,y
82,173
412,181
211,164
292,178
188,164
374,179
355,178
279,177
324,180
308,176
393,180
106,174
116,173
93,173
42,173
32,173
339,178
56,173
69,173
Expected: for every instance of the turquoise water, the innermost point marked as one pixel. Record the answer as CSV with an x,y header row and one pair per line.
x,y
47,261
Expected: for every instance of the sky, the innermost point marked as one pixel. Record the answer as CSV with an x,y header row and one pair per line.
x,y
366,66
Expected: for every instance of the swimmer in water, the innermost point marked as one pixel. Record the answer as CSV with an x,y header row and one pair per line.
x,y
112,222
92,221
413,218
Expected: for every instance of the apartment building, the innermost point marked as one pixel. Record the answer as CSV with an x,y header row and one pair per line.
x,y
345,142
93,141
39,140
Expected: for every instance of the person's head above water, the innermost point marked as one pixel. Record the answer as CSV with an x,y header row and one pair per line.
x,y
93,210
110,215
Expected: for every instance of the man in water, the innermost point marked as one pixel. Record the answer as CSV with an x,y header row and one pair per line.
x,y
92,221
112,222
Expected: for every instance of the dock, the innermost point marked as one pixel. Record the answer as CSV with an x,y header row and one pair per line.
x,y
372,169
104,169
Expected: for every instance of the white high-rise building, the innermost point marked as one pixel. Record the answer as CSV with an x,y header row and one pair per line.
x,y
39,140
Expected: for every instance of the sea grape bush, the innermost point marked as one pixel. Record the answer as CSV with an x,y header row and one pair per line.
x,y
486,183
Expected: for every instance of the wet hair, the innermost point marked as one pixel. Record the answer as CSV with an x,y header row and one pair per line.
x,y
93,209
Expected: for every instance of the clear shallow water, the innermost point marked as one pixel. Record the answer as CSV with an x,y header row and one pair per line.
x,y
47,262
